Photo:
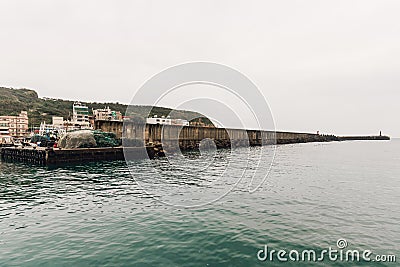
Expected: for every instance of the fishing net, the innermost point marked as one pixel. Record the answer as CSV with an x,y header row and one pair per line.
x,y
77,139
105,139
88,139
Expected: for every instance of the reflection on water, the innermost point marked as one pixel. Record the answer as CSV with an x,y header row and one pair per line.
x,y
98,213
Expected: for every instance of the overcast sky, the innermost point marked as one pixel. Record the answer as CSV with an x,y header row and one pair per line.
x,y
331,66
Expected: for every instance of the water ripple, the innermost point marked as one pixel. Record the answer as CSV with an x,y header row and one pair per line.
x,y
97,214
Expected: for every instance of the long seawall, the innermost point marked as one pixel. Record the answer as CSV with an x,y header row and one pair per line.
x,y
365,138
189,137
156,138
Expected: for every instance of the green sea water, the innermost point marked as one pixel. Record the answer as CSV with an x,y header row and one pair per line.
x,y
96,214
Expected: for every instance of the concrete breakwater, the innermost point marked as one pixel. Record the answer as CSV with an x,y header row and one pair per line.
x,y
155,138
371,137
189,137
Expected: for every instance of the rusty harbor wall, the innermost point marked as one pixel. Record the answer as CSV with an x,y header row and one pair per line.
x,y
190,136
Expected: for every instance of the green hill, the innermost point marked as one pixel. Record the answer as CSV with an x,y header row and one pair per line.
x,y
12,101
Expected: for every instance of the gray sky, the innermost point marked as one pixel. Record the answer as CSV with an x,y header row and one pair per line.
x,y
331,66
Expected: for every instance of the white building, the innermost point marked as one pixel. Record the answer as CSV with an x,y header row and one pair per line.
x,y
167,121
156,120
80,115
58,122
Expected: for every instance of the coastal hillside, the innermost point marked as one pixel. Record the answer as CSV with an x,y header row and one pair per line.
x,y
12,101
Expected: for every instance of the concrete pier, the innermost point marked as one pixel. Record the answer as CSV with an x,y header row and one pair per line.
x,y
159,137
50,156
189,137
365,138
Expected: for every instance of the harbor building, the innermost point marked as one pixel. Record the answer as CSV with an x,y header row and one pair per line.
x,y
80,115
179,122
157,120
17,125
58,122
167,121
106,114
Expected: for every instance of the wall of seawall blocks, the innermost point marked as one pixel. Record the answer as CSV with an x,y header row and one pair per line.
x,y
189,137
